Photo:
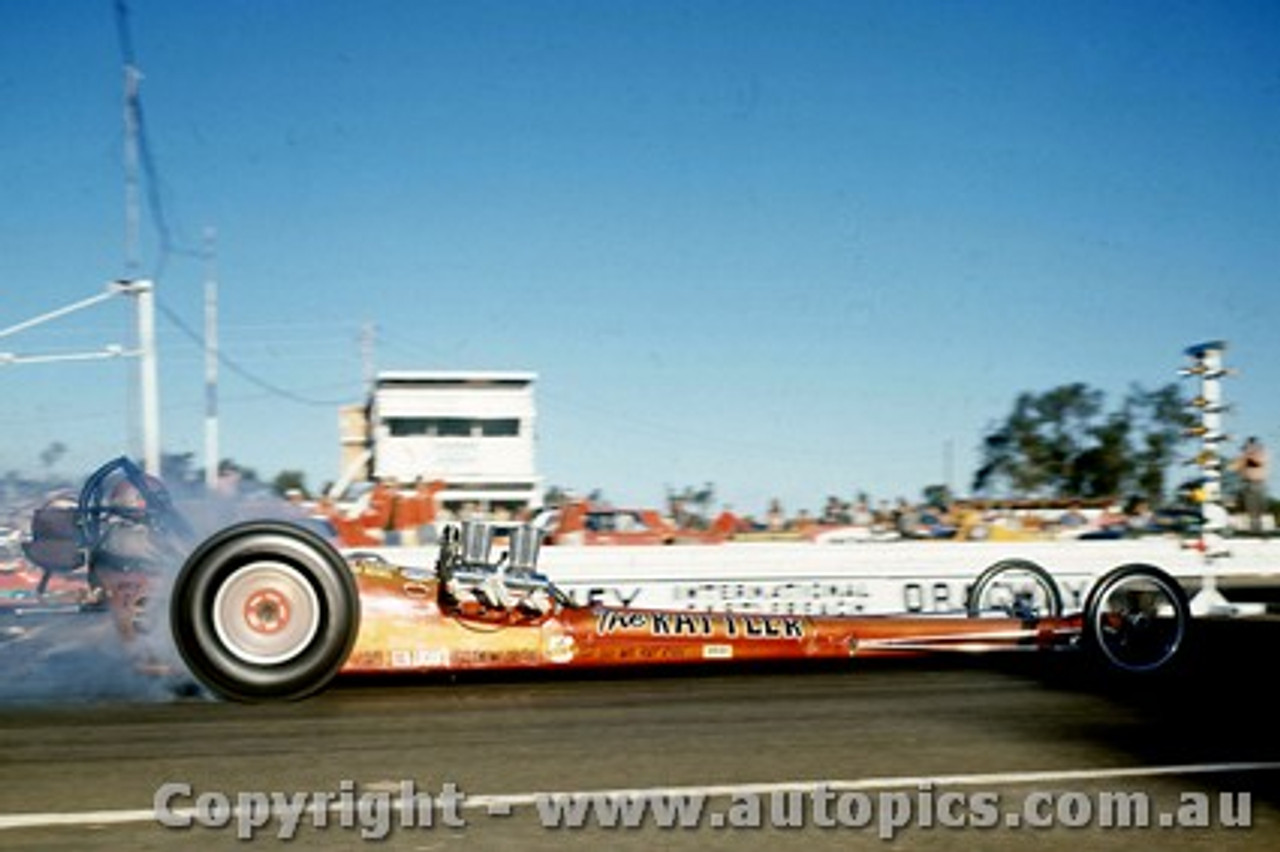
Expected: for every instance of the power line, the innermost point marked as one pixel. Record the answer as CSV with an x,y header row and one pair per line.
x,y
244,372
145,153
160,217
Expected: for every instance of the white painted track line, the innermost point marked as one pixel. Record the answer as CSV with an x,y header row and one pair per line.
x,y
509,801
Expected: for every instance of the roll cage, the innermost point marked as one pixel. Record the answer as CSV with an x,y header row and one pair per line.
x,y
70,534
95,510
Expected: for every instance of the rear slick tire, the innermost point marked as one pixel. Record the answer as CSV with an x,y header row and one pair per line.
x,y
264,611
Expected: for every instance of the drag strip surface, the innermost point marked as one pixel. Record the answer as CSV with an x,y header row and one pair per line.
x,y
1012,727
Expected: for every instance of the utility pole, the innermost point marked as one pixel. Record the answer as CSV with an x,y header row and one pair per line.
x,y
949,466
142,290
368,339
132,285
211,449
132,216
150,376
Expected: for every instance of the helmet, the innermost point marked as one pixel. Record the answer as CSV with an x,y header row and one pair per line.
x,y
129,496
125,495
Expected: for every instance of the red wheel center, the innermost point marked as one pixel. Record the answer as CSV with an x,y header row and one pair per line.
x,y
266,611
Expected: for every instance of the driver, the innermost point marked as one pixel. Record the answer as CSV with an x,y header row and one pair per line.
x,y
127,542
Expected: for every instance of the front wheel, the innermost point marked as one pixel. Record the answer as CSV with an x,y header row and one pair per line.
x,y
1136,618
1017,588
264,610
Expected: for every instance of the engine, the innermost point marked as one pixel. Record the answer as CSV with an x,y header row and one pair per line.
x,y
510,583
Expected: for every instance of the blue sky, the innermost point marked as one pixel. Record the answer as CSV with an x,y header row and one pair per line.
x,y
792,249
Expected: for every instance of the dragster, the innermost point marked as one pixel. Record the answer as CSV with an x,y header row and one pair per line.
x,y
269,610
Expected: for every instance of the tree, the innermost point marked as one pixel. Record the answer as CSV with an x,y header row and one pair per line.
x,y
935,495
700,499
1062,443
1101,468
290,480
246,475
1037,448
51,454
1163,418
555,496
178,467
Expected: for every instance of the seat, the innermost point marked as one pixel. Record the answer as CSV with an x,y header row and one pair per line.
x,y
54,546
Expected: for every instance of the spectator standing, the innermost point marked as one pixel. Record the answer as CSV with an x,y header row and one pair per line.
x,y
775,518
1254,467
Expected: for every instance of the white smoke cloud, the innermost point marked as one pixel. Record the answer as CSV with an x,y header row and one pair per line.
x,y
53,654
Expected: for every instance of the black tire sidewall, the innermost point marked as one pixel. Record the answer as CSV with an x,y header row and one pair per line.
x,y
214,561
